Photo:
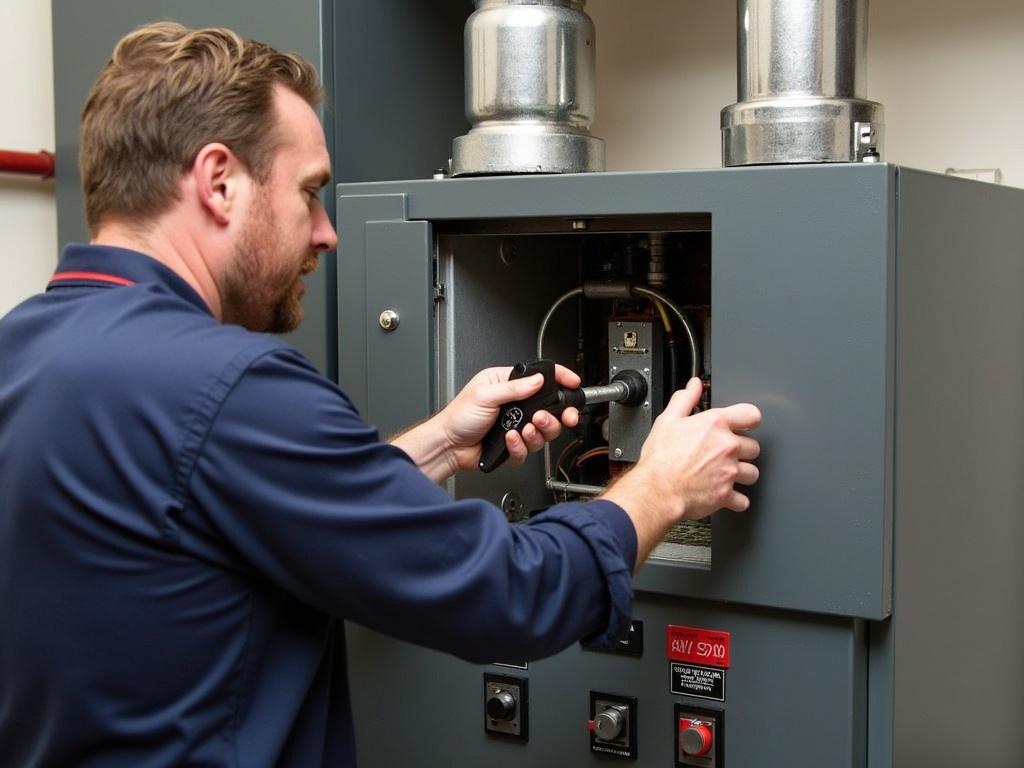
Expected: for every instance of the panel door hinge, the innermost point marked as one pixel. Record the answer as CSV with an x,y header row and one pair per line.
x,y
438,292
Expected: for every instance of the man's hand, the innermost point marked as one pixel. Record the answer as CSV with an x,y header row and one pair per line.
x,y
450,440
469,416
688,467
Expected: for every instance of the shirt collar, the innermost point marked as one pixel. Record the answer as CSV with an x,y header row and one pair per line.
x,y
107,265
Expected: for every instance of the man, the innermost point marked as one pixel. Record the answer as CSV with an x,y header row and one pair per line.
x,y
188,509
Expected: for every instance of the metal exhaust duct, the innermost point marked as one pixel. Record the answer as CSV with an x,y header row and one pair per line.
x,y
530,90
801,74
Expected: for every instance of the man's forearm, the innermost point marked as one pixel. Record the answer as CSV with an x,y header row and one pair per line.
x,y
647,509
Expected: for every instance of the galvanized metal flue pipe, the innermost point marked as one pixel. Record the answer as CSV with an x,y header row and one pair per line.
x,y
530,91
801,76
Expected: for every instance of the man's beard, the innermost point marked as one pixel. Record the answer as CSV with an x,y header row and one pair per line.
x,y
257,293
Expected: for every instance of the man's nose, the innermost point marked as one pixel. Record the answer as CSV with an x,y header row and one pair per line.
x,y
324,236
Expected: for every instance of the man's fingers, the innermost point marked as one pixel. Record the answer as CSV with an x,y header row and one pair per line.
x,y
570,417
737,502
747,474
566,378
498,393
517,450
749,448
685,400
533,437
742,416
495,393
548,428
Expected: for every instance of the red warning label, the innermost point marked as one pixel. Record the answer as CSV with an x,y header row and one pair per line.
x,y
701,646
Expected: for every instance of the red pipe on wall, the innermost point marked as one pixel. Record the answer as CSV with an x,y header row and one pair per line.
x,y
30,163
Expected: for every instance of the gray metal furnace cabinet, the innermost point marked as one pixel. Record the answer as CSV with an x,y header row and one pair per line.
x,y
874,593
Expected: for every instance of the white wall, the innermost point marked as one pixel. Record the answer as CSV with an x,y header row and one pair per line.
x,y
28,208
950,74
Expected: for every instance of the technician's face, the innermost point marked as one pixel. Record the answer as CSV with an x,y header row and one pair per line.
x,y
286,229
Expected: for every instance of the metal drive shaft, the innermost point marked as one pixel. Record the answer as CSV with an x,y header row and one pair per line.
x,y
615,392
628,387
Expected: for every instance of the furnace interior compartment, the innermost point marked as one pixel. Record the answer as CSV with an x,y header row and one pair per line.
x,y
599,295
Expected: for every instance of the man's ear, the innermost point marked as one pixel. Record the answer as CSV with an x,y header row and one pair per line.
x,y
218,176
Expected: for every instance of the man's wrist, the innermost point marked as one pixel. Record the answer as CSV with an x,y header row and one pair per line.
x,y
430,447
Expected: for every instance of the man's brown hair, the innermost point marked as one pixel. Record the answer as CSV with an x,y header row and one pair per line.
x,y
165,93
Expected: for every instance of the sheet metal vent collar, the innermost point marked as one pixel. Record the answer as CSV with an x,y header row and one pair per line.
x,y
530,90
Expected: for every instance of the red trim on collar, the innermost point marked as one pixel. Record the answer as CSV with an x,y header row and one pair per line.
x,y
97,276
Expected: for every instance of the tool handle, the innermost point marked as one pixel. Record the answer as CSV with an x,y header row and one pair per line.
x,y
518,414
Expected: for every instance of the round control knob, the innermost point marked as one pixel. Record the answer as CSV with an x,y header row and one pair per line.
x,y
696,739
609,723
501,706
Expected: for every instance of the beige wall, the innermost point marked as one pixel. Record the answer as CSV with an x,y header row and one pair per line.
x,y
950,74
28,209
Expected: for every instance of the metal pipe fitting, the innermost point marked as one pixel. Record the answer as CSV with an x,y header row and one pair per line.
x,y
656,274
628,388
617,289
530,90
579,489
800,85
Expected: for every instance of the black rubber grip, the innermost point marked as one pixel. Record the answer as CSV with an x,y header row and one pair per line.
x,y
517,415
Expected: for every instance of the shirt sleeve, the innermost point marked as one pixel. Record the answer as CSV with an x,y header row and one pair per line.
x,y
292,480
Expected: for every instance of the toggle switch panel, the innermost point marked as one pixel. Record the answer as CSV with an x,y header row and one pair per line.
x,y
613,725
506,705
700,736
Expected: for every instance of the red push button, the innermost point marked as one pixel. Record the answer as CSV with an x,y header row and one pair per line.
x,y
696,738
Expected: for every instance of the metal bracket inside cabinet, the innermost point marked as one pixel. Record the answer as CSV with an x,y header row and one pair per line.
x,y
634,346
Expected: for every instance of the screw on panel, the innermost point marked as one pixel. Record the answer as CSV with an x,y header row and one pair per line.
x,y
508,251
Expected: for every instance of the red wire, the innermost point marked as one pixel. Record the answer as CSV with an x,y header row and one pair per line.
x,y
588,455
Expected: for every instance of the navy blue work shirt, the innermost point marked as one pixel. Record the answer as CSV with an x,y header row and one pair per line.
x,y
187,512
